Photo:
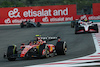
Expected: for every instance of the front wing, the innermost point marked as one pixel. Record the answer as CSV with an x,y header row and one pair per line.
x,y
82,30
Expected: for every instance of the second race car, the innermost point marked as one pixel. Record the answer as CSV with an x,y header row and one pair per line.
x,y
29,24
86,26
37,48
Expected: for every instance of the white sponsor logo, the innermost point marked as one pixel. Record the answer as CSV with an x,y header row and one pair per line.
x,y
39,13
45,19
94,17
60,12
57,19
7,20
68,18
44,12
83,17
14,13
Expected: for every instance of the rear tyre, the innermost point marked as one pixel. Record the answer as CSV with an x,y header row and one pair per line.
x,y
38,24
76,29
28,25
61,48
72,24
10,52
21,25
96,28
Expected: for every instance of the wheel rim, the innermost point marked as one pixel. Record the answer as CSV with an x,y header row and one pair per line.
x,y
47,53
64,48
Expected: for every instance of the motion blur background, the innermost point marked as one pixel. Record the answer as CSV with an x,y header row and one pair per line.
x,y
83,6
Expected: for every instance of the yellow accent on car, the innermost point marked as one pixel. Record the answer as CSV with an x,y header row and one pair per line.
x,y
37,47
37,35
51,48
32,56
26,48
14,49
65,49
22,55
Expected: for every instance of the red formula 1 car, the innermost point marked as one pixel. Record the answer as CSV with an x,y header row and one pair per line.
x,y
37,48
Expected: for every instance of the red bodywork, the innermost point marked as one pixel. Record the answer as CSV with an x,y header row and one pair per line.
x,y
32,45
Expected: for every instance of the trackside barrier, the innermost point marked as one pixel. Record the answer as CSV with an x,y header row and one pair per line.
x,y
45,14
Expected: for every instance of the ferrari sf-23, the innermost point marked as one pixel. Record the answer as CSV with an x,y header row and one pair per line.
x,y
86,26
37,48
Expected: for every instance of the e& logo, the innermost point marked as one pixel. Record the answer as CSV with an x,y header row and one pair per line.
x,y
7,20
14,13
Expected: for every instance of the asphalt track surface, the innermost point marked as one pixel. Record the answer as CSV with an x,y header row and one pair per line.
x,y
78,45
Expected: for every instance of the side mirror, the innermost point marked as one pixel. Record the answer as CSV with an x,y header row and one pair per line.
x,y
59,40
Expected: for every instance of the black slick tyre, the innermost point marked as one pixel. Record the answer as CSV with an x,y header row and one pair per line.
x,y
76,29
61,48
38,24
96,28
41,48
21,25
72,24
27,25
10,52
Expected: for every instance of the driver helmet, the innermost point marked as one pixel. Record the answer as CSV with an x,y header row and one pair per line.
x,y
85,20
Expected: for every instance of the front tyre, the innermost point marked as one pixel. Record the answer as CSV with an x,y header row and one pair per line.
x,y
43,49
10,53
47,53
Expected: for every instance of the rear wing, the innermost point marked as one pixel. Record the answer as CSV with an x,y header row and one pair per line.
x,y
49,38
